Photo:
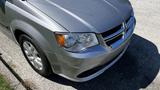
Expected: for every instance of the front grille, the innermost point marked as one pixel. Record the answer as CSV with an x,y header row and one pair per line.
x,y
113,40
128,20
115,34
111,31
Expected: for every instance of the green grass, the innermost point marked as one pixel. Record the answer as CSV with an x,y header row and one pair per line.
x,y
4,85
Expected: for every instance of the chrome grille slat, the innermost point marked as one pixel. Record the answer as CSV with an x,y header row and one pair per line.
x,y
130,22
113,35
120,34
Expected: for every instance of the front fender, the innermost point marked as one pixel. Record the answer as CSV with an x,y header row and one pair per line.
x,y
30,31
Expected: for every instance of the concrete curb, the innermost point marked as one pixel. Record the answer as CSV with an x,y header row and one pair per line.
x,y
14,74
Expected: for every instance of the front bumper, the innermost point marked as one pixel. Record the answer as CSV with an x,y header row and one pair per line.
x,y
73,65
71,71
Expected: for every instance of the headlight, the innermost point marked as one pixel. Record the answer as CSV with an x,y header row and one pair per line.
x,y
76,42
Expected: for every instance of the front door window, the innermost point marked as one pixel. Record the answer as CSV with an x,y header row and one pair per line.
x,y
2,5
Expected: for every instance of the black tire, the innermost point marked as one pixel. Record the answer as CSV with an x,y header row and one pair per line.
x,y
46,70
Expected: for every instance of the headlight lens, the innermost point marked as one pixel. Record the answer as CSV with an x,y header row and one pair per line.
x,y
76,42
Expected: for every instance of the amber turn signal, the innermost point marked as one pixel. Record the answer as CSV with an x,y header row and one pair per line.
x,y
60,39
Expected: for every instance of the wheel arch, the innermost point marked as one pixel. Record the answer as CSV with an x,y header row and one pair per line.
x,y
19,27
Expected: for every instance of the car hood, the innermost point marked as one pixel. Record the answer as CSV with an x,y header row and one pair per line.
x,y
85,15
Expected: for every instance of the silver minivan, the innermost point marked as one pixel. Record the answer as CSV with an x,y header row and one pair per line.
x,y
76,39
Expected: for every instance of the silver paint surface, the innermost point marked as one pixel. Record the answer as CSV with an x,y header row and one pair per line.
x,y
40,19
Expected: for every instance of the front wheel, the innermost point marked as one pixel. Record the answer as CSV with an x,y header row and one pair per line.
x,y
34,55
